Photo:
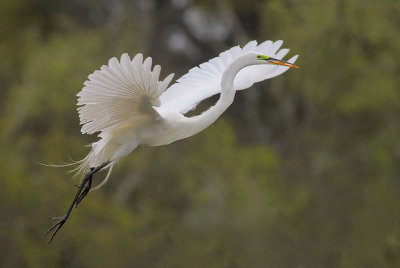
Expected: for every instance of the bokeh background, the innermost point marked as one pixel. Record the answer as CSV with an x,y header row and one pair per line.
x,y
301,171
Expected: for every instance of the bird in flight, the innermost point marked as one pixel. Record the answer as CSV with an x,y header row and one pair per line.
x,y
127,104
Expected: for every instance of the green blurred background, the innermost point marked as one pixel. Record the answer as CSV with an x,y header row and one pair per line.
x,y
301,171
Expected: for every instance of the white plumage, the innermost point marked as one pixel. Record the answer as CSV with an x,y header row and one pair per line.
x,y
119,93
128,104
204,81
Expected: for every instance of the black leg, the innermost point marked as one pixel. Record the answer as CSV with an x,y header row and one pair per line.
x,y
80,194
61,220
85,190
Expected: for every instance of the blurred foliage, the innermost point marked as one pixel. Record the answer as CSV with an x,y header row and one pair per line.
x,y
301,171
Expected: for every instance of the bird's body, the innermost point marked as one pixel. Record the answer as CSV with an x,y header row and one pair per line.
x,y
127,104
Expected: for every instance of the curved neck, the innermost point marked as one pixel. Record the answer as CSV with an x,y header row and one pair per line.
x,y
202,121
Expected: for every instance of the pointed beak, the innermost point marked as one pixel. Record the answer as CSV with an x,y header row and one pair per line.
x,y
281,62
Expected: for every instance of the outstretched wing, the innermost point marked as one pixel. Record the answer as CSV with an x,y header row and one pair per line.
x,y
124,91
204,81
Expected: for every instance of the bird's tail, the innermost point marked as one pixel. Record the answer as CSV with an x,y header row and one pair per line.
x,y
82,168
103,151
95,158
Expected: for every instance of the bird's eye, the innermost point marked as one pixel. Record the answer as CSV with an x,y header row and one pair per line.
x,y
258,57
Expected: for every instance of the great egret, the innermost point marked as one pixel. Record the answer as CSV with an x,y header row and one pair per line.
x,y
129,106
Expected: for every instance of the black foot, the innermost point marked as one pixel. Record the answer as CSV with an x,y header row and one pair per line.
x,y
83,190
60,222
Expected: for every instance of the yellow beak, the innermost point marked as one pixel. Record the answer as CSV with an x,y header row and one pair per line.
x,y
281,62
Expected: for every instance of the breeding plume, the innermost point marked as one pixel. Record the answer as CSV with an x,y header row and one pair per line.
x,y
127,104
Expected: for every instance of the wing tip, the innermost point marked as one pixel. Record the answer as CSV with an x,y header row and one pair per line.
x,y
125,56
293,59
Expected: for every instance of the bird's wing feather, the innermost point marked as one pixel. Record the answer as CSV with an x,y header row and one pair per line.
x,y
204,81
124,91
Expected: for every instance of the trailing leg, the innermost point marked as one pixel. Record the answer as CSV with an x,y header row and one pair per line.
x,y
83,190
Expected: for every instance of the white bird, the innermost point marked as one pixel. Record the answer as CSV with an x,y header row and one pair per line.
x,y
129,106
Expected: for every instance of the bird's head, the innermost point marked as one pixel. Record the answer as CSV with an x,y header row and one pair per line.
x,y
270,60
